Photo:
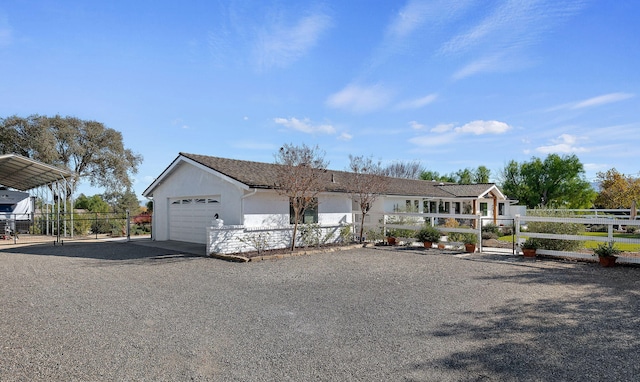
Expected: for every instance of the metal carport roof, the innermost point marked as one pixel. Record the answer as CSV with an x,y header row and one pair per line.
x,y
22,173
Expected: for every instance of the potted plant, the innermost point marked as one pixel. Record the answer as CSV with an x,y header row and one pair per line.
x,y
391,237
469,240
428,235
607,254
529,247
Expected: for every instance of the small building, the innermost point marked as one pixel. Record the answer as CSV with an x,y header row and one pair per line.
x,y
195,189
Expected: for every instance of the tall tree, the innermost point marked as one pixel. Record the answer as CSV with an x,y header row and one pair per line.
x,y
482,175
617,190
90,150
300,177
408,170
367,184
555,182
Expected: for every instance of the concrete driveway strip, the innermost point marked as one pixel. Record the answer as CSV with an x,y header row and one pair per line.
x,y
121,311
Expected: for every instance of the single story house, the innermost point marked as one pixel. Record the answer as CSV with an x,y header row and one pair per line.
x,y
195,190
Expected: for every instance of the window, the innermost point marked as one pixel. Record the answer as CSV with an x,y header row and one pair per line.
x,y
500,208
456,208
308,215
484,209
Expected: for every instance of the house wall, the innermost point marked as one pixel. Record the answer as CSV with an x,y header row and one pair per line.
x,y
266,208
188,181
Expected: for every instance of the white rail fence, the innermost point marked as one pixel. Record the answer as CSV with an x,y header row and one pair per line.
x,y
608,222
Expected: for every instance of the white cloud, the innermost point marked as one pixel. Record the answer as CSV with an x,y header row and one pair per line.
x,y
603,99
345,137
360,99
446,133
305,126
278,45
433,140
442,128
416,126
418,13
483,127
564,144
417,103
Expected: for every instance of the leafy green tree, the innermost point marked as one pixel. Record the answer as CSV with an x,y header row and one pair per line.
x,y
120,202
555,182
482,175
463,176
94,203
90,150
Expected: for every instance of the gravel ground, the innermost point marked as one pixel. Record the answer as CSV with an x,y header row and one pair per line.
x,y
121,311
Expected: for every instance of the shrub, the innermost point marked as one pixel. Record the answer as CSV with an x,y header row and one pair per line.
x,y
507,230
606,250
453,236
558,229
631,229
428,234
489,235
491,228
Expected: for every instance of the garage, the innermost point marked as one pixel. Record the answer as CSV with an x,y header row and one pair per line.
x,y
189,217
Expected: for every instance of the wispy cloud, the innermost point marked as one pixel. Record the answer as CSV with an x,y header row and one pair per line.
x,y
445,133
345,137
601,100
278,45
417,103
593,102
420,13
416,125
506,32
360,99
269,36
564,144
305,126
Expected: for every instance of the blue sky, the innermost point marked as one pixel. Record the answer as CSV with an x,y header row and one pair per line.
x,y
453,84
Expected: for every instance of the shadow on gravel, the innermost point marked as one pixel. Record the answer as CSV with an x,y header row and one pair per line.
x,y
115,251
592,335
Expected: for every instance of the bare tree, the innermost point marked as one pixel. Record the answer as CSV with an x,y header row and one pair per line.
x,y
367,184
300,177
408,170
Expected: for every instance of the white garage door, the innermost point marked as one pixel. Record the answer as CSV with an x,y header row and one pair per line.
x,y
189,217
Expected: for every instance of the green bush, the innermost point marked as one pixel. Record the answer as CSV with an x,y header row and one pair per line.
x,y
557,229
492,228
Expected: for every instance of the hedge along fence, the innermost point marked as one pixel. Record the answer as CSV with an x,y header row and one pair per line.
x,y
560,223
407,223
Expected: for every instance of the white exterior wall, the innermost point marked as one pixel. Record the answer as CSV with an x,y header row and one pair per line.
x,y
190,181
238,239
268,209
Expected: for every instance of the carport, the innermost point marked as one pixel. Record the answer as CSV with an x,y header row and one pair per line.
x,y
47,182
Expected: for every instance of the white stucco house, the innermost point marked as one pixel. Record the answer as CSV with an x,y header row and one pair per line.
x,y
195,189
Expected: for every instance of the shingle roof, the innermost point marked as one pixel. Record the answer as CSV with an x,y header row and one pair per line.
x,y
264,175
468,190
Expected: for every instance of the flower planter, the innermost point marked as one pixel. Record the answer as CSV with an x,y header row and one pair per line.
x,y
440,246
391,240
427,244
607,261
470,248
528,252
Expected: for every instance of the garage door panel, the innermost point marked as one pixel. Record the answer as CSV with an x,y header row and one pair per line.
x,y
189,217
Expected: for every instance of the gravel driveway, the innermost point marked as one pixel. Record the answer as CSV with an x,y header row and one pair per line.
x,y
121,311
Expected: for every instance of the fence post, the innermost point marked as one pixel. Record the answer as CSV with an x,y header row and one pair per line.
x,y
516,223
479,234
96,226
128,226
